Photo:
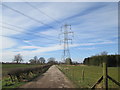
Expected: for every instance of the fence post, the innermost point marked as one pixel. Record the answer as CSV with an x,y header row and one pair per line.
x,y
105,80
73,74
83,74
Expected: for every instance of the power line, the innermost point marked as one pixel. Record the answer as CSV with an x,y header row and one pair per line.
x,y
24,28
12,37
21,39
42,12
38,21
75,52
28,33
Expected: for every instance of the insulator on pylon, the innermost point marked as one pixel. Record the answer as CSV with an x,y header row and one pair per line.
x,y
61,29
70,27
73,34
71,41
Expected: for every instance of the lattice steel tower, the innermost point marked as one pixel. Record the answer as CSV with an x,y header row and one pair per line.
x,y
65,33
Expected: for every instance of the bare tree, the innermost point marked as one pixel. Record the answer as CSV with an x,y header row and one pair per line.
x,y
32,61
18,58
35,59
42,60
51,60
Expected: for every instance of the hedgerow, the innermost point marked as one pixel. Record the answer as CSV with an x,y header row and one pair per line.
x,y
21,74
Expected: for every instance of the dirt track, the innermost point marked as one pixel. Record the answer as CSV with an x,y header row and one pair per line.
x,y
53,78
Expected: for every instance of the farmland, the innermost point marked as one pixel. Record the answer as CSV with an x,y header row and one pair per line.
x,y
73,72
20,74
91,75
9,67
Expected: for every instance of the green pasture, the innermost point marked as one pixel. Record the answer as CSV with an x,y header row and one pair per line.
x,y
91,75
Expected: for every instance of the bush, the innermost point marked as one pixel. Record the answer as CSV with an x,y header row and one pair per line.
x,y
20,73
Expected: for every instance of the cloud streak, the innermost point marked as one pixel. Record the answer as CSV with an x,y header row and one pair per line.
x,y
94,24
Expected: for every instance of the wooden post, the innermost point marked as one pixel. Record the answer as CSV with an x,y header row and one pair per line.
x,y
83,74
73,74
105,81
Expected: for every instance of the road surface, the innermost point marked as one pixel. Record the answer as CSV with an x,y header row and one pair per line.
x,y
53,78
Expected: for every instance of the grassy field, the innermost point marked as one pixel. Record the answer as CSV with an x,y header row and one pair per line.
x,y
91,75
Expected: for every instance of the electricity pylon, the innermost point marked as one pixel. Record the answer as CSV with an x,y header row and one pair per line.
x,y
65,33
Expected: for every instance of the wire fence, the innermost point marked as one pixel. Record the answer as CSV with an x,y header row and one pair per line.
x,y
87,76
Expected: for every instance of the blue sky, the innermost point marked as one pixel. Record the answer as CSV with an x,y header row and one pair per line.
x,y
95,27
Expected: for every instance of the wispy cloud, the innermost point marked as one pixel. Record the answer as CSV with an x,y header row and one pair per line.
x,y
91,48
93,24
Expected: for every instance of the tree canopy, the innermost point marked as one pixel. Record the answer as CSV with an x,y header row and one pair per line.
x,y
35,60
68,61
18,58
112,60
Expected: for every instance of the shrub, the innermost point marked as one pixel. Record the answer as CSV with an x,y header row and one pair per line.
x,y
21,73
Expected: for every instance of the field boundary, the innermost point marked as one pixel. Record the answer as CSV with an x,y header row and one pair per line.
x,y
67,77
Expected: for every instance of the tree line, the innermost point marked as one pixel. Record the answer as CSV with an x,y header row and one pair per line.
x,y
35,60
97,60
18,59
